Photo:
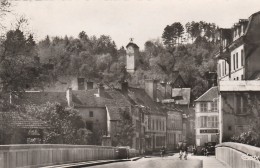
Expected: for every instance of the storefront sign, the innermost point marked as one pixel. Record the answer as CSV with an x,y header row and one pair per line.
x,y
209,131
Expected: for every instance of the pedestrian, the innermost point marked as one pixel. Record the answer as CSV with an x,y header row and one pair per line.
x,y
180,146
185,150
162,150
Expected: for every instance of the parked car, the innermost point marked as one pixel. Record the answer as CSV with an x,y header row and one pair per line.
x,y
122,152
210,148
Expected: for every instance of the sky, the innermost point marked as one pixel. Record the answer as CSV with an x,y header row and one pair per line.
x,y
142,20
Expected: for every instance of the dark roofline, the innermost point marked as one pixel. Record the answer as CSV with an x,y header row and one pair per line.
x,y
205,94
132,44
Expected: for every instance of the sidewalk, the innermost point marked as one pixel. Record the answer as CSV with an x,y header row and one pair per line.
x,y
210,162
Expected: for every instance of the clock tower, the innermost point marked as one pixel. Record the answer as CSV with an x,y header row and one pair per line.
x,y
132,54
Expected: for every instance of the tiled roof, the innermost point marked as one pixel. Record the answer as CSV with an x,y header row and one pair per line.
x,y
89,98
112,99
41,98
21,120
209,95
139,97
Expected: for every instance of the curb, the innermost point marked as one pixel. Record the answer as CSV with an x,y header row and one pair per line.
x,y
136,158
91,163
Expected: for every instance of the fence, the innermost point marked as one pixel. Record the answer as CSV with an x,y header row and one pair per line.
x,y
238,155
45,154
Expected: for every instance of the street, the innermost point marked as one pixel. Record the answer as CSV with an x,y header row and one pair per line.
x,y
156,162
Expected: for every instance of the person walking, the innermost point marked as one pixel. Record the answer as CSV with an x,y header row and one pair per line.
x,y
180,146
162,151
185,150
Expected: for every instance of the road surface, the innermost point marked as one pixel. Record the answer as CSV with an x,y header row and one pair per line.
x,y
156,162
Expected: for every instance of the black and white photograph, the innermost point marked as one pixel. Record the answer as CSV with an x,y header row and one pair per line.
x,y
130,83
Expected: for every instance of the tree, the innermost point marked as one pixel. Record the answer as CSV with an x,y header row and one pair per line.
x,y
19,66
126,128
66,125
4,9
172,33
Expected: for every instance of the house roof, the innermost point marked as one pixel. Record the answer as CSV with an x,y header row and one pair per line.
x,y
89,98
21,120
209,95
132,44
39,98
112,100
142,99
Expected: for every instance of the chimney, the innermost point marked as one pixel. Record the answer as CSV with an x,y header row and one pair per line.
x,y
90,85
151,88
124,87
101,90
69,96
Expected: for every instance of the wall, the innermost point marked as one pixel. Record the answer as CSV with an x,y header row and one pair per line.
x,y
233,123
252,63
232,154
46,154
99,118
238,72
223,70
43,155
155,131
174,129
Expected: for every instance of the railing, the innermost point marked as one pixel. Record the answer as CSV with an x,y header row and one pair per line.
x,y
53,154
238,155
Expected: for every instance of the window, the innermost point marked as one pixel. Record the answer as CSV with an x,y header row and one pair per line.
x,y
81,85
242,57
214,106
223,71
229,128
237,59
91,114
149,123
234,61
203,107
219,70
225,67
153,124
212,122
237,78
203,121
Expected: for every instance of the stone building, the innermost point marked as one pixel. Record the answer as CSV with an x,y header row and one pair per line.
x,y
238,74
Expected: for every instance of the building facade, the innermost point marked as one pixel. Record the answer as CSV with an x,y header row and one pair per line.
x,y
207,117
238,72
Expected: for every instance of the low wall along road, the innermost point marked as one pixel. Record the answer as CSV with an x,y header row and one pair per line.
x,y
238,155
45,154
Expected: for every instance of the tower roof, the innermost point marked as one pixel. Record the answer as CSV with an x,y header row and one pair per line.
x,y
132,44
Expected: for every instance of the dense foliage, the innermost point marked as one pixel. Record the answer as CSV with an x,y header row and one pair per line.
x,y
126,131
66,126
98,59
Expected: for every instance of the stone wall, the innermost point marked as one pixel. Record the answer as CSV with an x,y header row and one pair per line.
x,y
238,155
